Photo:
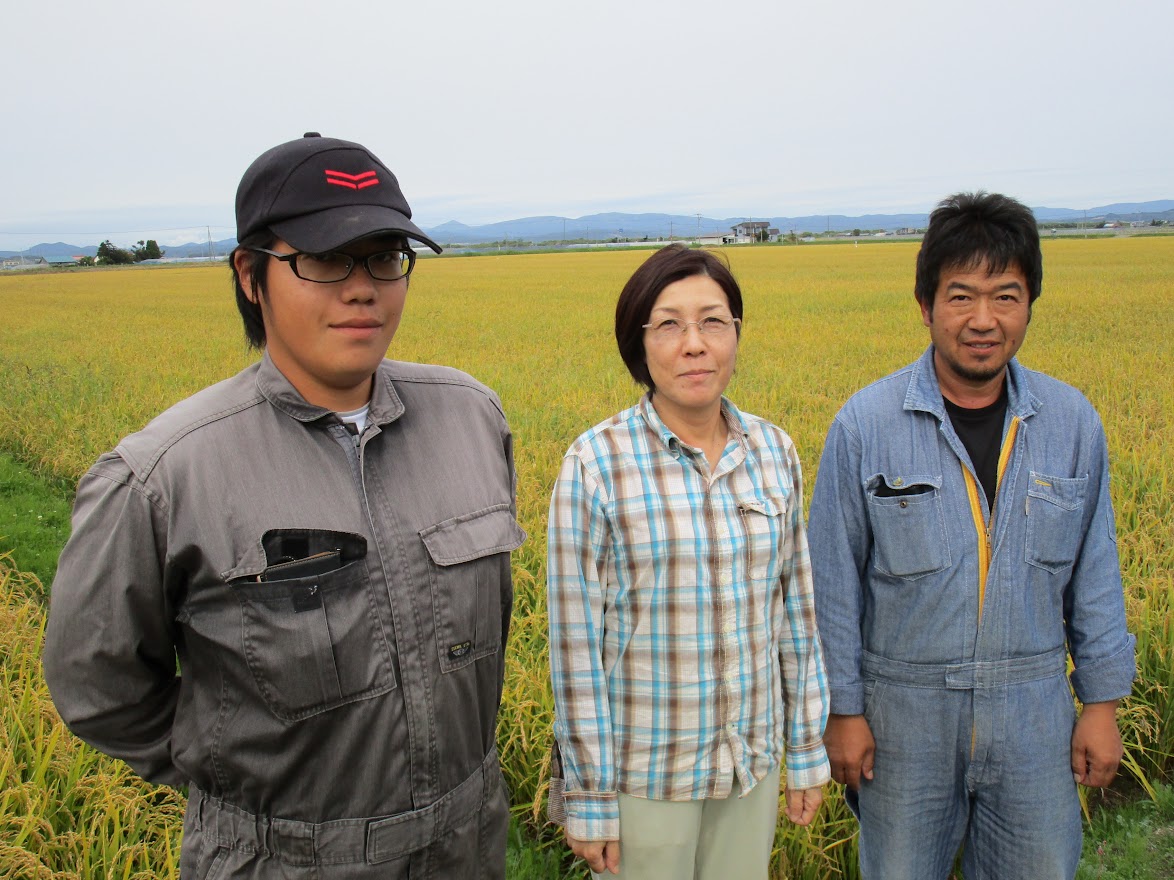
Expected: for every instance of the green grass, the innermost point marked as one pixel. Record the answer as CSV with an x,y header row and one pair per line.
x,y
526,860
34,518
1133,840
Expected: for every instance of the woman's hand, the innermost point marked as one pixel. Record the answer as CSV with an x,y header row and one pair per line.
x,y
600,855
803,804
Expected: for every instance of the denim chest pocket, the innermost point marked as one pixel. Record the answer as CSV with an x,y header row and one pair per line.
x,y
908,525
469,566
1055,510
313,641
762,521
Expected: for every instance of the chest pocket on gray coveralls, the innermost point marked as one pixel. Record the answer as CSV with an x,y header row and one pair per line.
x,y
314,643
1055,511
908,525
469,570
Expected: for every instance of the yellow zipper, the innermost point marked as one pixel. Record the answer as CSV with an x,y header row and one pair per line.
x,y
984,528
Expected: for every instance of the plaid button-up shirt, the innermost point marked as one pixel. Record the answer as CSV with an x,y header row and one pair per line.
x,y
683,647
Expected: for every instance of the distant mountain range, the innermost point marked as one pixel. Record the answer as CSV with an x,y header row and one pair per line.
x,y
604,227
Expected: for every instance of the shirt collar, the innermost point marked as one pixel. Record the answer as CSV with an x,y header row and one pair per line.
x,y
386,405
733,416
926,395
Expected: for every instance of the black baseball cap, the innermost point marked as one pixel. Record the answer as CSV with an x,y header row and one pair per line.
x,y
318,194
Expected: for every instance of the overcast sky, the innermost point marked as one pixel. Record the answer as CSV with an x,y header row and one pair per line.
x,y
130,120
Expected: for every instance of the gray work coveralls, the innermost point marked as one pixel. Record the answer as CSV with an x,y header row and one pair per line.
x,y
335,715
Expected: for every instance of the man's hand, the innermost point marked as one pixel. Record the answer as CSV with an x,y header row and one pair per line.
x,y
851,748
803,804
1096,745
600,855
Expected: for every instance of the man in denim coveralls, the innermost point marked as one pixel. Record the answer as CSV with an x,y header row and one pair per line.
x,y
321,544
963,547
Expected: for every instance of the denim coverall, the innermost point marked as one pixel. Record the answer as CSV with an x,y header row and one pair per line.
x,y
948,626
335,716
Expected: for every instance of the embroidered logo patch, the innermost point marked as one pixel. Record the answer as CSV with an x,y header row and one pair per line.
x,y
352,181
460,650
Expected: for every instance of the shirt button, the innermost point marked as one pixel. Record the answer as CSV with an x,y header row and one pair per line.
x,y
899,481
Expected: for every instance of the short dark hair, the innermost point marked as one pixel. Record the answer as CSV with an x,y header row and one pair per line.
x,y
258,270
667,266
970,230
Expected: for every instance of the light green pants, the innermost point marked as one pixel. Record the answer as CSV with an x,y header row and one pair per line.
x,y
728,839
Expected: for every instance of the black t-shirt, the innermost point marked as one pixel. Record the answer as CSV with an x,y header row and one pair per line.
x,y
981,432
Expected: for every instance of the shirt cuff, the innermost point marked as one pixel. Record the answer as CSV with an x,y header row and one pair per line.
x,y
807,766
1110,678
593,815
847,699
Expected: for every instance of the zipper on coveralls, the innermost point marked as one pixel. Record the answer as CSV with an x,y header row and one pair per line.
x,y
354,454
984,527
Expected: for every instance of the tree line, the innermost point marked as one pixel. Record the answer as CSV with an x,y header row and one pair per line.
x,y
109,255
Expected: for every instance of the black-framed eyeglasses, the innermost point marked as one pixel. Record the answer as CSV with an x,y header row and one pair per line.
x,y
389,265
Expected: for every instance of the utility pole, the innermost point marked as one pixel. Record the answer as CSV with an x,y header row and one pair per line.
x,y
699,229
670,229
208,232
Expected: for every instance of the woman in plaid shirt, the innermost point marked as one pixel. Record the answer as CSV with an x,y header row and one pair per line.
x,y
684,655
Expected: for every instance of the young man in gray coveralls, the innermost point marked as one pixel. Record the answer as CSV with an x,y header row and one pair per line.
x,y
321,545
963,549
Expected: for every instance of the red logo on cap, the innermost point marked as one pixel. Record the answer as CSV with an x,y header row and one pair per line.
x,y
352,181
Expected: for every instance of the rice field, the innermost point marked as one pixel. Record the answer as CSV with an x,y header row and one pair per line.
x,y
86,357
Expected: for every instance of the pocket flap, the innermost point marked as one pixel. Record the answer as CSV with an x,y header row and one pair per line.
x,y
901,486
764,506
290,544
473,535
1066,493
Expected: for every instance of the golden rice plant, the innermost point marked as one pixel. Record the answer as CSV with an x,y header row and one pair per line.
x,y
88,357
66,812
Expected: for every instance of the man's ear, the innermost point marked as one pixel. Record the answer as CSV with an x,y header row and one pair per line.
x,y
243,266
926,312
